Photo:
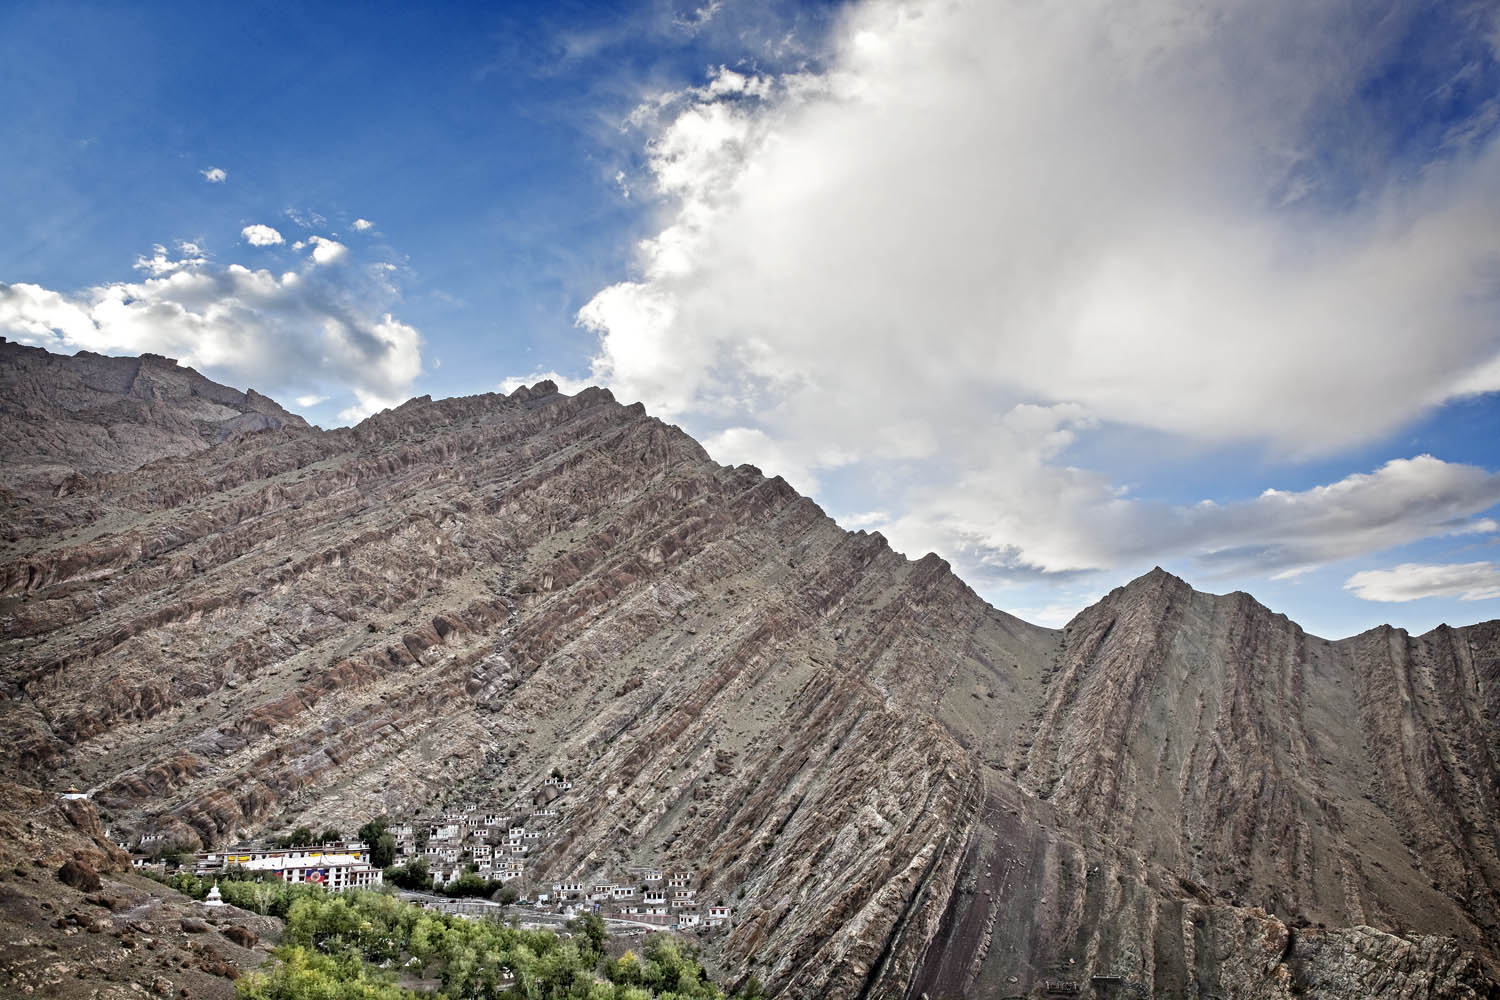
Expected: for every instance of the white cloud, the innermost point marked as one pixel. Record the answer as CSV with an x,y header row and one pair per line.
x,y
161,262
259,235
565,385
700,17
214,175
989,230
1076,207
1055,614
280,334
742,445
866,519
1476,581
310,400
360,225
325,250
1034,517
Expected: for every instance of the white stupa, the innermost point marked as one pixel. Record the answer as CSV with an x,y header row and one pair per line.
x,y
213,898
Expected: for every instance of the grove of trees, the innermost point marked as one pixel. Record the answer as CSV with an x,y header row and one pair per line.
x,y
355,945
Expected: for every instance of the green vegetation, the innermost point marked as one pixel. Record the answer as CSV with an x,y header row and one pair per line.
x,y
259,892
300,837
382,845
415,876
362,945
418,877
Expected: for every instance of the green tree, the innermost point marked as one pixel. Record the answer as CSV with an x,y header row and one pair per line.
x,y
382,850
590,929
302,836
415,875
372,830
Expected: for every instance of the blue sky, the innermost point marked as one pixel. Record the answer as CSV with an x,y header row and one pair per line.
x,y
1058,291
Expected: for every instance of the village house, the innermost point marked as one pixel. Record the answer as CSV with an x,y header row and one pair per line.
x,y
482,852
441,852
443,830
649,874
656,897
681,880
570,890
683,897
689,918
602,891
718,915
623,892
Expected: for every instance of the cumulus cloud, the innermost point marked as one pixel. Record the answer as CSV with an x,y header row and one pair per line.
x,y
325,250
261,236
1476,581
288,334
989,230
360,225
310,400
214,175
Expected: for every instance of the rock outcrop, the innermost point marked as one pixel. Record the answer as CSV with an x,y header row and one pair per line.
x,y
902,789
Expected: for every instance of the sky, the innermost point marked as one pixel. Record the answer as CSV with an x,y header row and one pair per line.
x,y
1058,290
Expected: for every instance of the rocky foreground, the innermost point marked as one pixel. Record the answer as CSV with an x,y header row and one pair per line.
x,y
1177,795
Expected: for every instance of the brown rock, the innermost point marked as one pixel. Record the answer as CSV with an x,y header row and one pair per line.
x,y
80,875
242,936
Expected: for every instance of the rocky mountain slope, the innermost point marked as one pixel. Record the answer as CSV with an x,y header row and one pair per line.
x,y
69,418
1178,794
76,922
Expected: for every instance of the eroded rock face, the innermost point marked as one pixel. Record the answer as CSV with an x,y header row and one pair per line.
x,y
900,788
68,419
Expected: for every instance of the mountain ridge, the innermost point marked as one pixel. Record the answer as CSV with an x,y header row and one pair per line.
x,y
457,596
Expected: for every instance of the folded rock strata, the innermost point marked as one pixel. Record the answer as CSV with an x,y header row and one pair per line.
x,y
902,789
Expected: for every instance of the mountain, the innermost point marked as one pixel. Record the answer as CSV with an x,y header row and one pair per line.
x,y
80,416
903,790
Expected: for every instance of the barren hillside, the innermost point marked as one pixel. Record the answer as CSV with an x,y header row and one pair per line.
x,y
905,790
